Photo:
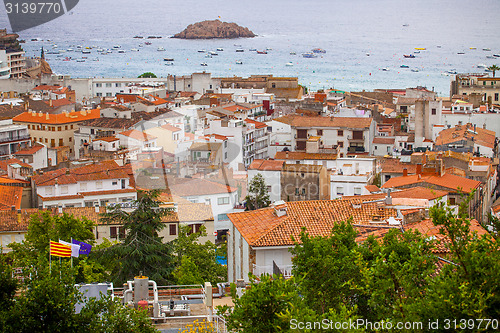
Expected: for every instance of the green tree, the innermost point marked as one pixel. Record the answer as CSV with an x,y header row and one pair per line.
x,y
8,286
143,248
147,75
257,196
197,261
494,69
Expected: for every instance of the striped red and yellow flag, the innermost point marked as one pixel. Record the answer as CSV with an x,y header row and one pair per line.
x,y
59,250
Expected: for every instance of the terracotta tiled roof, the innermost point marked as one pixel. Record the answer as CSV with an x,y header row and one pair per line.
x,y
187,93
58,102
11,161
107,192
170,128
138,135
216,136
195,187
190,212
235,107
263,228
382,140
266,165
205,146
98,171
427,228
372,188
446,180
482,136
340,122
61,197
62,118
4,180
30,151
10,196
257,124
107,139
394,165
294,155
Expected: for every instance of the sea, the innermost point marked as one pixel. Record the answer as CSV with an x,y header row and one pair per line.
x,y
364,40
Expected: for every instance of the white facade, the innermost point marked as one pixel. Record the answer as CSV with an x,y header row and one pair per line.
x,y
12,137
272,178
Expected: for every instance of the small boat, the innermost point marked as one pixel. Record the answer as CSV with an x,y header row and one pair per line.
x,y
147,43
293,53
237,45
496,55
168,59
85,51
70,50
420,48
414,70
80,60
406,25
86,47
34,39
408,55
368,54
100,50
472,48
239,62
208,56
252,50
151,37
134,50
404,66
220,49
160,49
451,71
169,63
95,59
385,69
309,55
204,64
79,46
240,50
138,37
109,51
116,46
460,52
486,49
213,53
490,57
202,51
416,51
67,59
481,66
261,52
54,46
318,50
289,64
121,51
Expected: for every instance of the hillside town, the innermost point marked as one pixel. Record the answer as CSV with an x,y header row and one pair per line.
x,y
381,159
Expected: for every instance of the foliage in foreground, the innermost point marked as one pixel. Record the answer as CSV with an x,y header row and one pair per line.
x,y
394,279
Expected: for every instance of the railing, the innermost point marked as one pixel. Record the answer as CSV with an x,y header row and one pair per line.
x,y
15,138
286,270
219,324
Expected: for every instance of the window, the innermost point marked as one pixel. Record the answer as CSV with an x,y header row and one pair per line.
x,y
29,126
108,85
59,128
70,139
172,229
223,201
340,190
118,85
196,227
66,127
452,201
112,232
208,202
222,217
357,191
297,191
340,144
99,94
61,142
340,133
104,202
114,183
108,94
319,132
98,85
91,131
496,97
71,126
269,188
89,204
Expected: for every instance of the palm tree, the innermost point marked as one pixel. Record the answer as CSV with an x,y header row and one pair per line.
x,y
494,68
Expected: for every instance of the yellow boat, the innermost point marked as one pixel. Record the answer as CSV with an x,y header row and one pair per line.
x,y
420,48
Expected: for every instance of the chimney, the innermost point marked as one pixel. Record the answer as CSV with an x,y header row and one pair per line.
x,y
286,154
50,102
280,208
419,169
388,198
405,172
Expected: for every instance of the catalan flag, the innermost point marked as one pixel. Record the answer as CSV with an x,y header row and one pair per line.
x,y
59,250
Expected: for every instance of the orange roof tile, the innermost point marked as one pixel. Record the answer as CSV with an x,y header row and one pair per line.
x,y
263,228
106,139
384,141
266,165
257,124
294,155
29,151
372,188
408,193
138,135
194,187
10,196
394,165
482,136
58,102
62,118
447,180
170,128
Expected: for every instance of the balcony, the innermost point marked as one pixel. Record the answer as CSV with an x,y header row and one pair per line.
x,y
286,270
350,137
15,138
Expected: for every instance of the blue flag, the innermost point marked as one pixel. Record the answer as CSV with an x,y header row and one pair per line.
x,y
84,247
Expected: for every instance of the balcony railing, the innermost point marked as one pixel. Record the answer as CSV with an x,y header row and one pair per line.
x,y
350,138
286,270
15,138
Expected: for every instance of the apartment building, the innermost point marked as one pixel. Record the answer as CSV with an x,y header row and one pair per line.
x,y
16,59
13,137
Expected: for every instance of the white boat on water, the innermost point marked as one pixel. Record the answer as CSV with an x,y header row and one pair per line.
x,y
213,53
481,66
385,69
293,53
121,51
289,64
204,64
202,51
70,50
116,46
414,70
240,50
239,62
161,48
86,51
134,50
220,49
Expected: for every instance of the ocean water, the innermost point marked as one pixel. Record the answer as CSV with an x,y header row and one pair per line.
x,y
361,37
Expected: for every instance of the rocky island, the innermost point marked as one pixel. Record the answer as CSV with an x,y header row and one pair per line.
x,y
214,29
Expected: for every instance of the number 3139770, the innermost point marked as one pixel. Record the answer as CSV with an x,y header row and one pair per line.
x,y
33,8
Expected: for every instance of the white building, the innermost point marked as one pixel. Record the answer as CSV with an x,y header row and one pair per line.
x,y
13,137
39,156
87,186
271,171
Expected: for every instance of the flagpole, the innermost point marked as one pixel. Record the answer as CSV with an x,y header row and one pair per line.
x,y
50,259
71,241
